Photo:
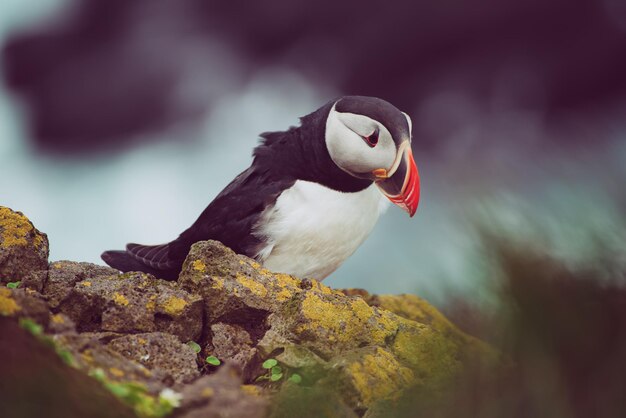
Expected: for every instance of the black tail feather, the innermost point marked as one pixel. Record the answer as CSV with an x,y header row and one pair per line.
x,y
125,261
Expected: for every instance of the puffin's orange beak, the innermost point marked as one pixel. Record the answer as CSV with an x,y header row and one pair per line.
x,y
403,187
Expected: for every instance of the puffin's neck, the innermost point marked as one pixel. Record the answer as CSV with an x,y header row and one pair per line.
x,y
300,153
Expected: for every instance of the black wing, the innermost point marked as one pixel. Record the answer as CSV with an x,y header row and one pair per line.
x,y
229,218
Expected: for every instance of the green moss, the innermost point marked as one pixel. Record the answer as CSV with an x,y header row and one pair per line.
x,y
431,354
137,396
37,331
416,309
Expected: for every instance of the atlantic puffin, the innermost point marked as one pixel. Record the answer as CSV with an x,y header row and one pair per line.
x,y
310,197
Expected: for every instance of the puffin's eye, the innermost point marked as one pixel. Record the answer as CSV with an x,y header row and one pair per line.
x,y
372,139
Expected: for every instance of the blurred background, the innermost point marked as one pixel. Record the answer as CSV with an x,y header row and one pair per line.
x,y
121,120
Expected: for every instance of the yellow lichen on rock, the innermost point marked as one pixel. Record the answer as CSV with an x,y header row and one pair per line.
x,y
116,372
284,286
58,319
8,306
174,305
217,283
285,280
252,390
254,286
87,356
38,240
433,355
151,304
253,264
15,228
120,299
346,318
416,309
377,375
198,265
318,286
283,294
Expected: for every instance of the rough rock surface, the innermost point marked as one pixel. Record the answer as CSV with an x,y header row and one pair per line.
x,y
23,249
63,275
200,346
221,395
131,303
20,303
161,353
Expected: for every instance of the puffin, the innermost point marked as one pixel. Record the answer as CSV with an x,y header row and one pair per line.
x,y
311,196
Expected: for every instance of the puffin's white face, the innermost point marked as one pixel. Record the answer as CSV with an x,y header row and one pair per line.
x,y
369,138
360,145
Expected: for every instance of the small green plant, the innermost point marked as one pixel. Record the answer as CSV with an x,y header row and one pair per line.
x,y
295,378
14,285
195,346
213,361
276,372
269,363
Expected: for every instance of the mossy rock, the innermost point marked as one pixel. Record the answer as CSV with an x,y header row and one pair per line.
x,y
23,249
373,345
134,303
351,351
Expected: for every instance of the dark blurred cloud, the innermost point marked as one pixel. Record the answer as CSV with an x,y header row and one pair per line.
x,y
518,107
107,71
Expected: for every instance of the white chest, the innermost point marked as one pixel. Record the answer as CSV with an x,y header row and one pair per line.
x,y
312,229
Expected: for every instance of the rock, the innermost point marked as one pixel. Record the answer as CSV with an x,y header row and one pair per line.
x,y
61,324
35,382
233,343
367,375
163,354
89,354
328,323
414,308
236,289
134,303
407,306
338,353
221,395
35,280
63,275
24,303
321,332
23,249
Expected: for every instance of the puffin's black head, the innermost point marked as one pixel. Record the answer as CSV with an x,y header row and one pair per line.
x,y
370,138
